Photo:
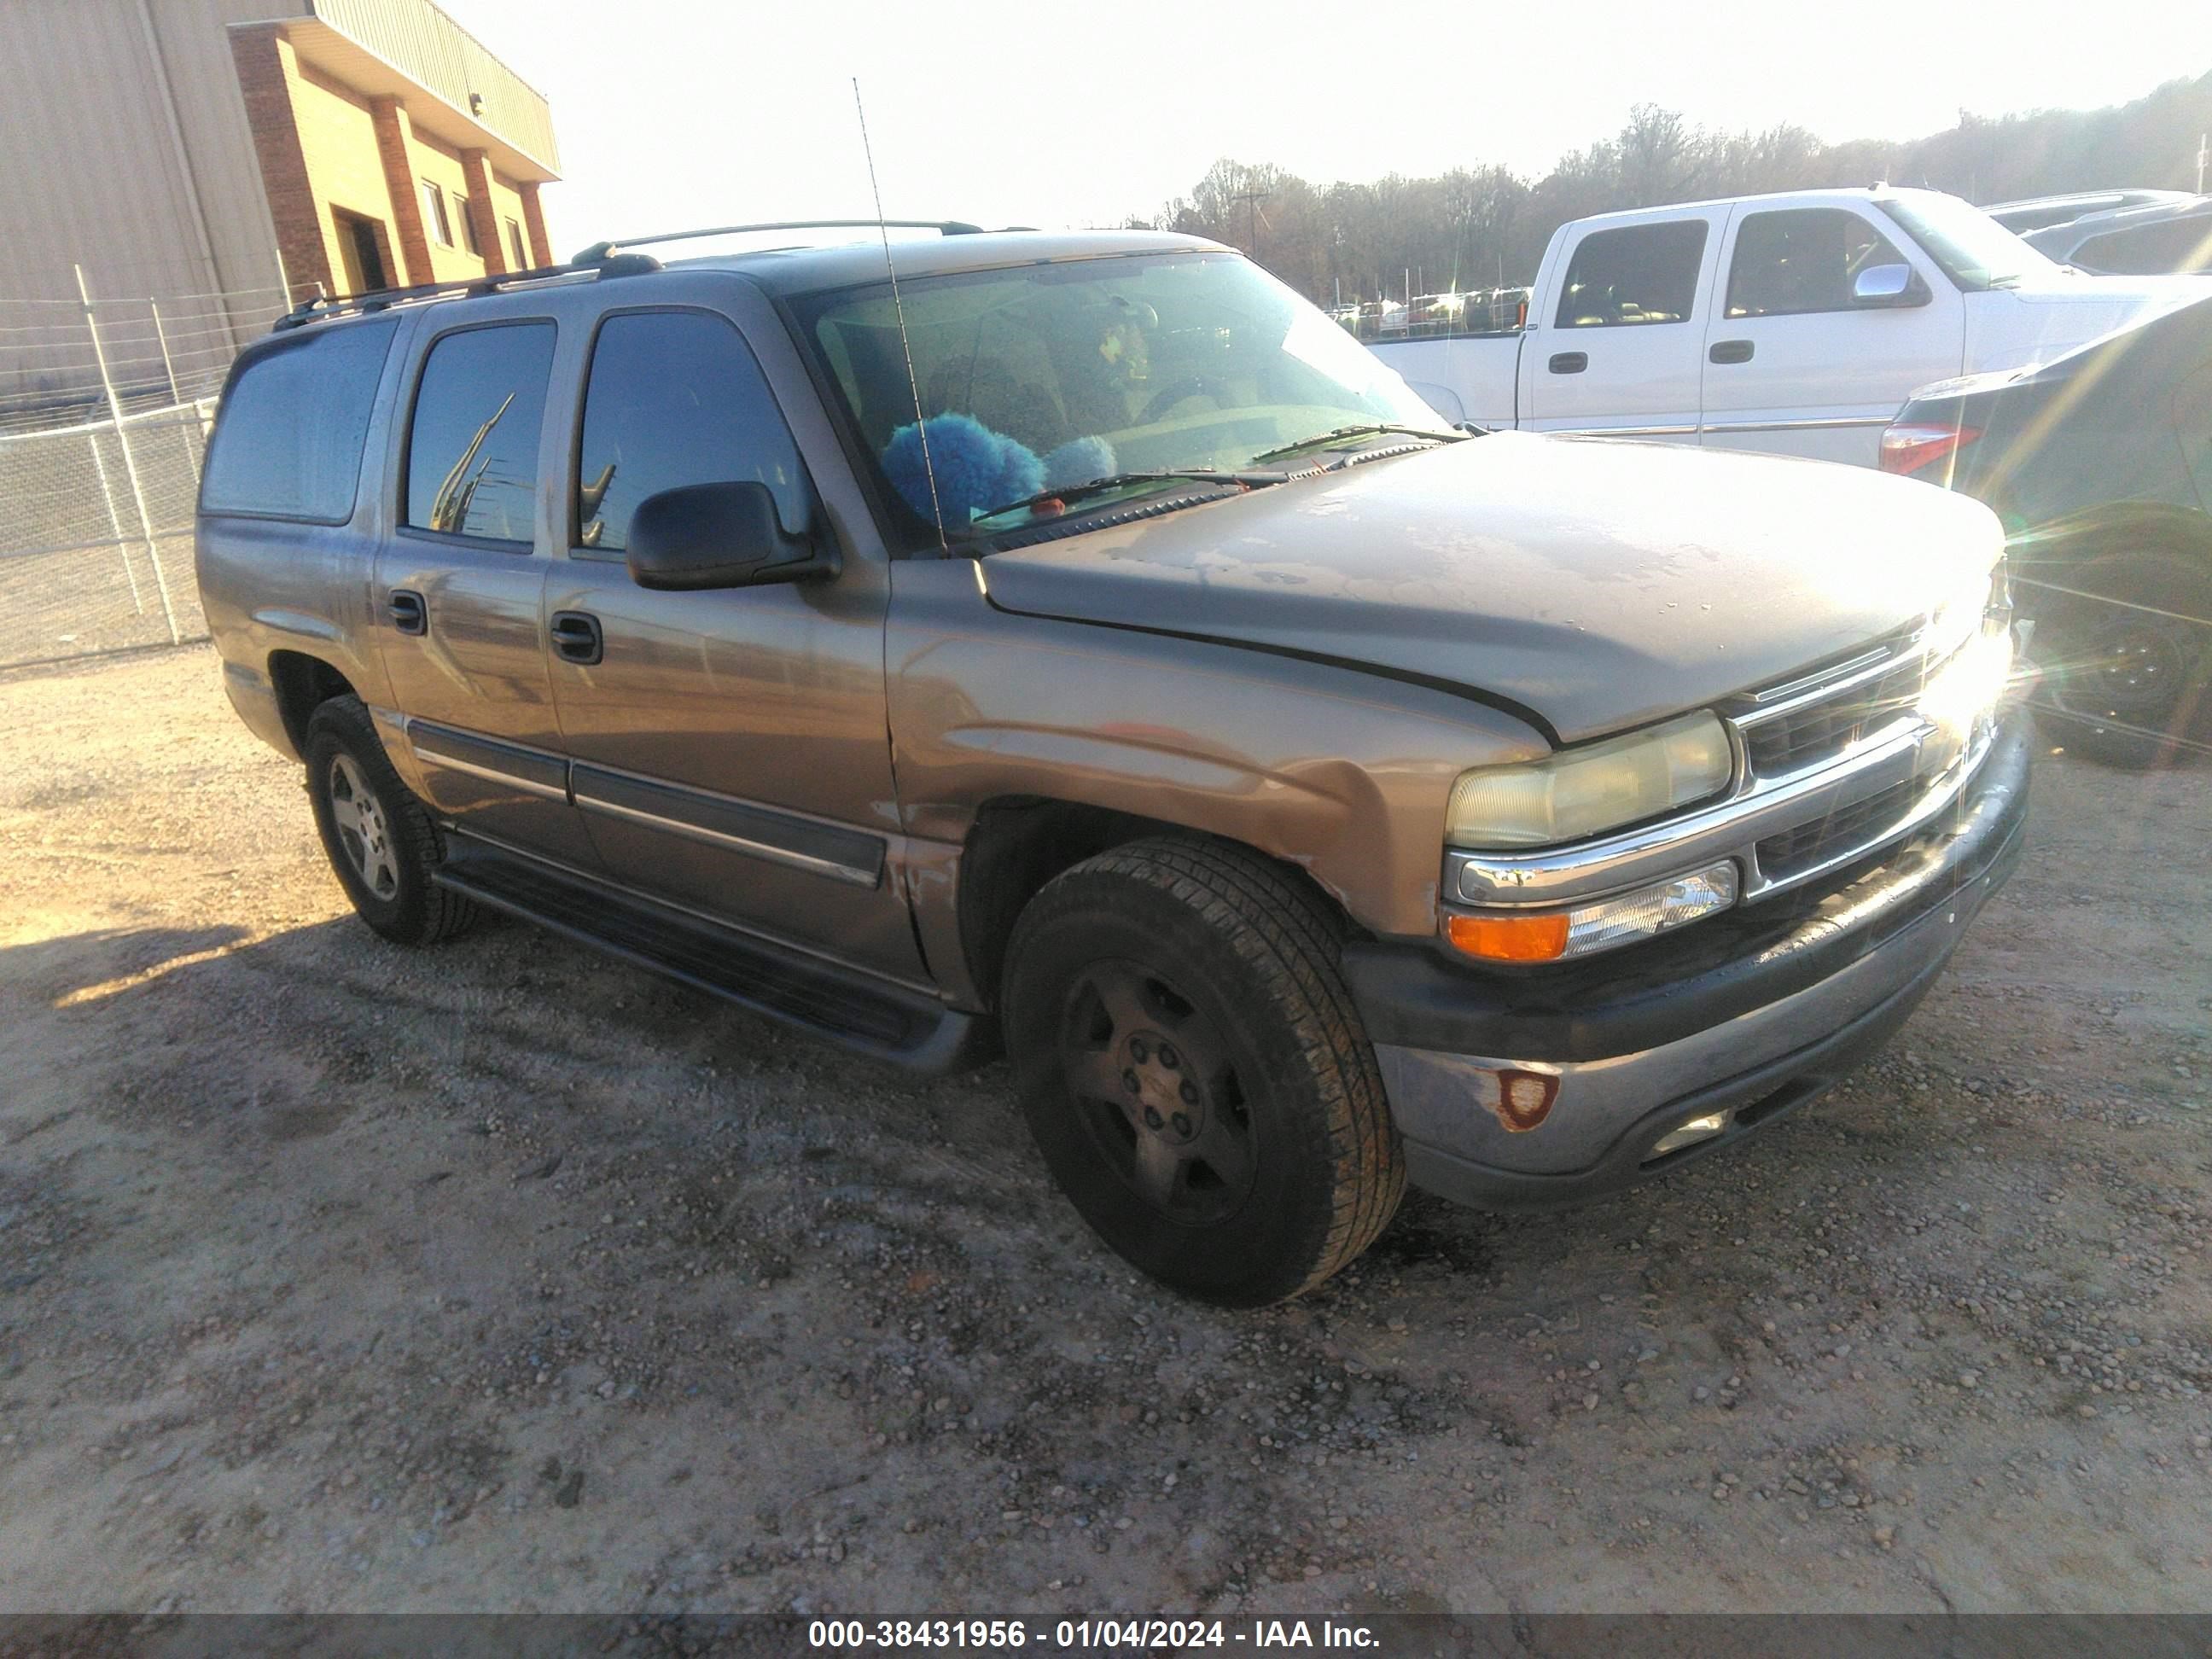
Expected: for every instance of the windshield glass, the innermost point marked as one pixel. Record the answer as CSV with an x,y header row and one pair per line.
x,y
1051,376
1975,251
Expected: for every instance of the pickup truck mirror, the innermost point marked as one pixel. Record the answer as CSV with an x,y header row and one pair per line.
x,y
718,535
1887,285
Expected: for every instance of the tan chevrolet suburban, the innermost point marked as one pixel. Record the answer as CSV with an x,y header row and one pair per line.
x,y
1082,646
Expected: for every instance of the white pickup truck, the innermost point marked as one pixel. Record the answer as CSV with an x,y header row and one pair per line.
x,y
1795,324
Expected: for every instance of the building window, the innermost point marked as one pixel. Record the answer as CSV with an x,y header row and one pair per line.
x,y
514,245
434,214
468,226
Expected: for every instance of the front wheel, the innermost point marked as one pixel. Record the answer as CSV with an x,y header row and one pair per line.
x,y
2127,659
1194,1073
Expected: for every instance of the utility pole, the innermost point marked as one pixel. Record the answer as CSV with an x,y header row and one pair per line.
x,y
2200,140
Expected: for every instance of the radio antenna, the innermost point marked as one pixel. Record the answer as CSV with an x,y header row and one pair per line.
x,y
898,310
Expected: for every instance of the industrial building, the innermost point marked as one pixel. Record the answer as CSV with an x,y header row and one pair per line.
x,y
198,148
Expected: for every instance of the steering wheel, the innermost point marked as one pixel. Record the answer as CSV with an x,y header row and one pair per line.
x,y
1191,386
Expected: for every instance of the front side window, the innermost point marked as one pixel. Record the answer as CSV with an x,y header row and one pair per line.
x,y
1057,375
434,214
1802,259
288,438
1636,273
675,398
472,447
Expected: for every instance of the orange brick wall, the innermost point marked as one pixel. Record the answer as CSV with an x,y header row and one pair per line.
x,y
268,73
323,146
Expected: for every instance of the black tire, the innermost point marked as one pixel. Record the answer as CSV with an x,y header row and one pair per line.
x,y
1283,1164
380,840
2128,684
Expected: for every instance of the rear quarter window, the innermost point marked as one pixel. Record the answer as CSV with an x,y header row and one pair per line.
x,y
288,439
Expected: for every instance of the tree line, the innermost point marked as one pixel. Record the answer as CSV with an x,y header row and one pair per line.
x,y
1483,226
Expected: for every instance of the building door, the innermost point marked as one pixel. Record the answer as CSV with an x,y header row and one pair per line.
x,y
362,255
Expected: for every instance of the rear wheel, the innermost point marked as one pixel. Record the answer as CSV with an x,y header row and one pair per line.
x,y
380,840
1194,1073
2127,659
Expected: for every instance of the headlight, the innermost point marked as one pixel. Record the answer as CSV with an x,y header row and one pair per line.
x,y
1581,791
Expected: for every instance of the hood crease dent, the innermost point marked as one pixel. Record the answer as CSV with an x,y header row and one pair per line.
x,y
1594,583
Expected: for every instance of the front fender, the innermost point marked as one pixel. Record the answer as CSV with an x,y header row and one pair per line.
x,y
1342,773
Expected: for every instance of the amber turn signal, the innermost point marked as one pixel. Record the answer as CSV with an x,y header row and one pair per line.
x,y
1509,939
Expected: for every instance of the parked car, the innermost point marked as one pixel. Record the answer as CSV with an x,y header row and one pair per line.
x,y
2099,464
1794,323
2136,241
1434,314
1310,798
2040,212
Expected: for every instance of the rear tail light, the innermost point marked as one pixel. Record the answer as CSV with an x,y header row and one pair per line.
x,y
1913,446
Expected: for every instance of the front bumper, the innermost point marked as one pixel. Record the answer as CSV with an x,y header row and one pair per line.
x,y
1746,1017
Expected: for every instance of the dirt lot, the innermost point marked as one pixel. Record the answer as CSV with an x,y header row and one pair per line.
x,y
333,1276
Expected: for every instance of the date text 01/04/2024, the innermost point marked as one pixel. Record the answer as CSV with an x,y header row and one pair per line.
x,y
1087,1633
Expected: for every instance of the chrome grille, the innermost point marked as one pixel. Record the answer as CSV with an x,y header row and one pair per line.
x,y
1811,845
1819,730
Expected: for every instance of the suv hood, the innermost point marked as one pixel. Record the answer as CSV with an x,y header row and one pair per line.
x,y
1598,583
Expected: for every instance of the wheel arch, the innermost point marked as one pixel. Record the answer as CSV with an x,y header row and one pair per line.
x,y
1016,844
2047,552
303,682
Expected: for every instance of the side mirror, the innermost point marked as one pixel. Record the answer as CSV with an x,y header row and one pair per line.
x,y
1887,285
718,535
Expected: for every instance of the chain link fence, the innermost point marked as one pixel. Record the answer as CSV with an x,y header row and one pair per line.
x,y
105,410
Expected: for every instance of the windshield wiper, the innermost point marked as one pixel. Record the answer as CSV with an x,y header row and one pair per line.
x,y
1375,430
1072,493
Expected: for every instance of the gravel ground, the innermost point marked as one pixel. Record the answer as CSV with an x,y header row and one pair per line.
x,y
334,1276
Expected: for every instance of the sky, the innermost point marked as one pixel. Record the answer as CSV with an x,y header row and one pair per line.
x,y
681,112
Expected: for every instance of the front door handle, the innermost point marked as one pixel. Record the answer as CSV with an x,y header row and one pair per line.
x,y
1730,352
577,637
1569,362
408,614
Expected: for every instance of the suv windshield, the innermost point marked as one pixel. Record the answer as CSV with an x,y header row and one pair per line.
x,y
1047,377
1975,251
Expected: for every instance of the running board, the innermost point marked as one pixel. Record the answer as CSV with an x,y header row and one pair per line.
x,y
904,1028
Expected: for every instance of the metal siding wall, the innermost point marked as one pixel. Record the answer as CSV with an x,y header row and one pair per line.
x,y
420,41
85,150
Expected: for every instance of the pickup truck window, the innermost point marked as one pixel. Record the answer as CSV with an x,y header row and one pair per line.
x,y
1636,273
1087,369
472,447
1802,260
1974,250
675,397
288,444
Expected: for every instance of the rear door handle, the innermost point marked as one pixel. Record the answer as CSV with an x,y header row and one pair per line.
x,y
1730,352
408,614
1569,362
577,637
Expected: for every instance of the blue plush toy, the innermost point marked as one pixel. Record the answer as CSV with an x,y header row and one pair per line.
x,y
1078,461
978,469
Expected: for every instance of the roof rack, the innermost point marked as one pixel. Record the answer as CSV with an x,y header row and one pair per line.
x,y
601,260
341,305
599,250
